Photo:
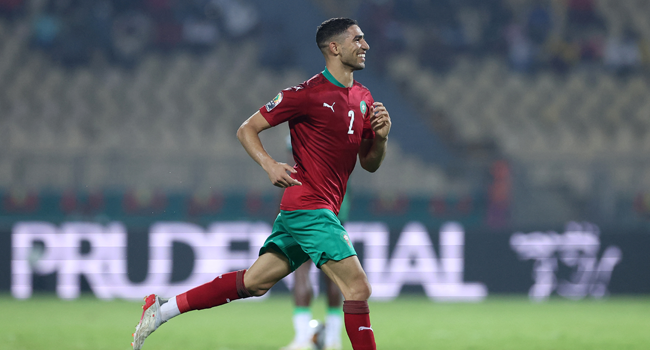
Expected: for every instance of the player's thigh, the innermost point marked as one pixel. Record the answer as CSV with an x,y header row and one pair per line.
x,y
266,271
349,276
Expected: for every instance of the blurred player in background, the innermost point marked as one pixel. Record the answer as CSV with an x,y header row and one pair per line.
x,y
307,335
332,120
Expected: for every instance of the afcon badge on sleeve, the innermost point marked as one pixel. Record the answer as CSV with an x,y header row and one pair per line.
x,y
274,102
363,107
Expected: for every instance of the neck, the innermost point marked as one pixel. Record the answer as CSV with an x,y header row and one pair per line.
x,y
341,73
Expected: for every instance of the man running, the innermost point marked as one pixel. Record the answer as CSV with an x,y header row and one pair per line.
x,y
332,120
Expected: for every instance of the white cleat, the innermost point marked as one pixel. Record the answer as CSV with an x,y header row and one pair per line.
x,y
149,322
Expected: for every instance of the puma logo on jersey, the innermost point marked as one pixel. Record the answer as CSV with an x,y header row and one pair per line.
x,y
328,106
362,328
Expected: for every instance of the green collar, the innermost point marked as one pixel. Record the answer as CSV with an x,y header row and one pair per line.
x,y
331,78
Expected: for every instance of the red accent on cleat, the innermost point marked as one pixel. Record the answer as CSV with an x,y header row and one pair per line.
x,y
148,301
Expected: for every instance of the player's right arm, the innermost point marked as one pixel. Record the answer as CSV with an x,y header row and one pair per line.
x,y
248,135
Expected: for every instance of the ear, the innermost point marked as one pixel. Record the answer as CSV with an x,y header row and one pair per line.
x,y
334,48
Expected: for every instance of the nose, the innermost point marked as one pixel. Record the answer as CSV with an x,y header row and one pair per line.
x,y
364,45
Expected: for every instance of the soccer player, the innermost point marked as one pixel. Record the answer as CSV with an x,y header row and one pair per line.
x,y
332,120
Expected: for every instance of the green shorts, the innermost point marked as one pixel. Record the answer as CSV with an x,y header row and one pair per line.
x,y
304,234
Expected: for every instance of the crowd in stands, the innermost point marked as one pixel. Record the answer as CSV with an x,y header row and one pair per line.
x,y
530,35
73,31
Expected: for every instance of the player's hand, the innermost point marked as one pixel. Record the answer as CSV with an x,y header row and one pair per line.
x,y
279,175
380,120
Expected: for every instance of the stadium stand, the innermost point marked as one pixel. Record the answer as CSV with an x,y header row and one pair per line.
x,y
573,129
573,132
169,124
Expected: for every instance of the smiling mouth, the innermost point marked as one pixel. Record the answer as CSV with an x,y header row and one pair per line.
x,y
362,56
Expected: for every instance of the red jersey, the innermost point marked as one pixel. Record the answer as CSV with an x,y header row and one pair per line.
x,y
327,122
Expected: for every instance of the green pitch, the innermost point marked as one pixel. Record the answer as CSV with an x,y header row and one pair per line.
x,y
409,323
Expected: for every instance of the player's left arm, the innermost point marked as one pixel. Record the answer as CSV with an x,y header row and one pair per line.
x,y
373,151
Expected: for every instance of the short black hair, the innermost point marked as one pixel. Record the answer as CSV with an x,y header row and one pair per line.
x,y
330,28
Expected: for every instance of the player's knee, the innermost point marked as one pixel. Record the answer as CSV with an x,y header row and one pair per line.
x,y
366,290
359,291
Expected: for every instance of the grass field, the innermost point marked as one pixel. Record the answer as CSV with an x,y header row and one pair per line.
x,y
502,323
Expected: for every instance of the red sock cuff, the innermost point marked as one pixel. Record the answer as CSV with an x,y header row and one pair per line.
x,y
181,302
356,307
242,292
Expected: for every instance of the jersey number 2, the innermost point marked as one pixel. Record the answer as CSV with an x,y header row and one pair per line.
x,y
351,115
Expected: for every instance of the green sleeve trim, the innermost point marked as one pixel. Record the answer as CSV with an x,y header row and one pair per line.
x,y
331,78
